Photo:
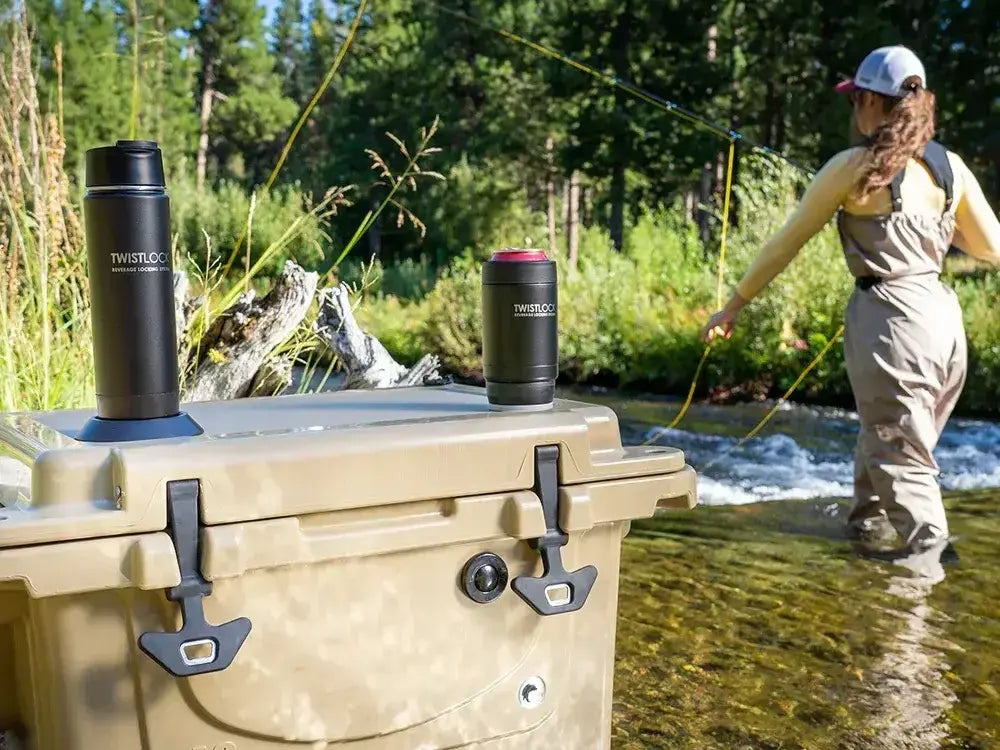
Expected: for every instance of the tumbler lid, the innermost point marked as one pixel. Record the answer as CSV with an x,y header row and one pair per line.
x,y
126,164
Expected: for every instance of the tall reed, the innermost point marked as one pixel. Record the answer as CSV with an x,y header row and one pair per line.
x,y
45,350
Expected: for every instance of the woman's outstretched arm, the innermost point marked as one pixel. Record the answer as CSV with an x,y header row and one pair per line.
x,y
825,194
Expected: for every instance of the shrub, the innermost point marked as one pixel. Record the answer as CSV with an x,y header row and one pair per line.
x,y
398,324
222,213
454,317
982,326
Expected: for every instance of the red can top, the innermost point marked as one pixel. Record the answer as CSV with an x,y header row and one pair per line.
x,y
520,256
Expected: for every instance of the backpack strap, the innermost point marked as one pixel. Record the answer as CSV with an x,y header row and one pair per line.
x,y
936,158
895,188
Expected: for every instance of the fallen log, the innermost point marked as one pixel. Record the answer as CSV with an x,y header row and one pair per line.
x,y
365,361
240,340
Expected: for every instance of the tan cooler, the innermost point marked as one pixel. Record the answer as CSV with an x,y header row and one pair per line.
x,y
388,569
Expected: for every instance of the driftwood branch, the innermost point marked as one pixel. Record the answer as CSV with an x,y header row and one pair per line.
x,y
426,372
239,341
364,359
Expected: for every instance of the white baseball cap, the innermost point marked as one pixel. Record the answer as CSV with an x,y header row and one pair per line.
x,y
885,71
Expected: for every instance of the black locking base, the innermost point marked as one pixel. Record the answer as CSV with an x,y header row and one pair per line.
x,y
555,578
216,645
98,430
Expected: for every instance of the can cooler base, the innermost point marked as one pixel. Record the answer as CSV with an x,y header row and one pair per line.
x,y
99,430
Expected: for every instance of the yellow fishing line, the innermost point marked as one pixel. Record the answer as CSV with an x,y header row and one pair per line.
x,y
688,400
725,223
798,381
718,289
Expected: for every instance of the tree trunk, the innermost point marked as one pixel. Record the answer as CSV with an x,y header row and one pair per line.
x,y
713,42
550,197
704,198
617,224
621,147
208,76
573,222
781,132
207,96
565,204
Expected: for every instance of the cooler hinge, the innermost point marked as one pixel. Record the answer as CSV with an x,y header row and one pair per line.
x,y
557,590
198,647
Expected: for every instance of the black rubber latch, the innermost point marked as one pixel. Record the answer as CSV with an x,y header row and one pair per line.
x,y
198,647
557,590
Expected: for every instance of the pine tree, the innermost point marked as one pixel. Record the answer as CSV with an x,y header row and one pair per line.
x,y
241,106
96,74
288,48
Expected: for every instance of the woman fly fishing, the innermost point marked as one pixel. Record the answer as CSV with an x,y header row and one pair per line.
x,y
901,201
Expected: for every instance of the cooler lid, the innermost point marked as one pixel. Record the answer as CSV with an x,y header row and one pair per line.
x,y
293,455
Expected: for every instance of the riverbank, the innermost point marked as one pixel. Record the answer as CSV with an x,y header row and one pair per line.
x,y
631,320
754,626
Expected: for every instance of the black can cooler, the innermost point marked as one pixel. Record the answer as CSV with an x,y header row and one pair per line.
x,y
127,222
520,330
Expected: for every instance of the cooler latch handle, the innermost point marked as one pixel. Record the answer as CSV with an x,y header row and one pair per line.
x,y
557,590
197,648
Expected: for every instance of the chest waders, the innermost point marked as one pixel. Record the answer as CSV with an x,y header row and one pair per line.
x,y
905,351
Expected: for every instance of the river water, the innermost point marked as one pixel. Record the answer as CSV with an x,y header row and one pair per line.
x,y
804,452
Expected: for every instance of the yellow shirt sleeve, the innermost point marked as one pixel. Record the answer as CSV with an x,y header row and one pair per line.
x,y
826,193
977,230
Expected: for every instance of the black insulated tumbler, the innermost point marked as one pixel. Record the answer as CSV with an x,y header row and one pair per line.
x,y
520,333
127,218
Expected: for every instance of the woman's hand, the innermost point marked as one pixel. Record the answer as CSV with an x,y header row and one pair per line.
x,y
723,322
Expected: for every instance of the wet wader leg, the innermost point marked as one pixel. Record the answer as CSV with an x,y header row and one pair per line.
x,y
897,446
866,503
900,397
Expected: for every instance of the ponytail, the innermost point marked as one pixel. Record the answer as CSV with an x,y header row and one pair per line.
x,y
908,126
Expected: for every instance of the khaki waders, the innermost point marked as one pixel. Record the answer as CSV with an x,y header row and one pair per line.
x,y
905,352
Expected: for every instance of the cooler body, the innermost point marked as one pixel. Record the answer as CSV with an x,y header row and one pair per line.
x,y
342,527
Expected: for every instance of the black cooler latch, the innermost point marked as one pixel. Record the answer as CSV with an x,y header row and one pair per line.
x,y
557,590
198,647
